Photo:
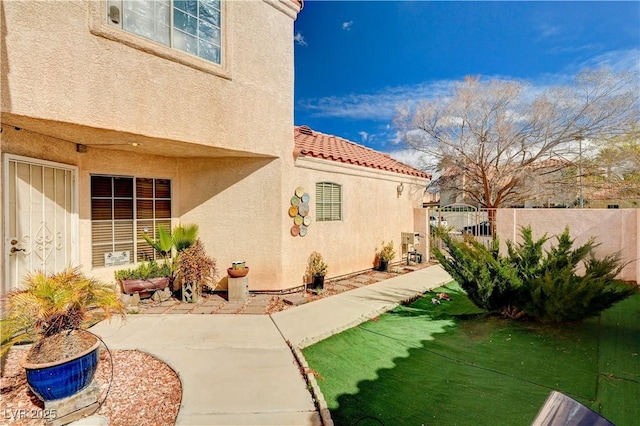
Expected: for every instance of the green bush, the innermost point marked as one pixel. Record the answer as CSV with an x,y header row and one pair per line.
x,y
543,284
144,271
558,294
491,281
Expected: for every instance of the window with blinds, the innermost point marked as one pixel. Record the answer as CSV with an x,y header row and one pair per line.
x,y
122,209
328,202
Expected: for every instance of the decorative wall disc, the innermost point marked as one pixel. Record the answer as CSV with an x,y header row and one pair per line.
x,y
299,211
303,209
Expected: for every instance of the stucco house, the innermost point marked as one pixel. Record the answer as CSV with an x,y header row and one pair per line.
x,y
118,117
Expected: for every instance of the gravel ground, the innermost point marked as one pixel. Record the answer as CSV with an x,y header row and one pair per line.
x,y
144,391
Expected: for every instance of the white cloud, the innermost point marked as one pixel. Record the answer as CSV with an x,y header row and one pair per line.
x,y
299,39
617,60
347,25
546,31
413,158
365,137
381,105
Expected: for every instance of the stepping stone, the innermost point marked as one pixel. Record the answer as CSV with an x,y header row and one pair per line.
x,y
215,298
254,310
361,279
155,310
214,303
380,276
183,308
204,310
261,297
295,300
230,308
341,287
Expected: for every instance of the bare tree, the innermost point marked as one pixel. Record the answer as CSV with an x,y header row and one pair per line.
x,y
614,173
490,137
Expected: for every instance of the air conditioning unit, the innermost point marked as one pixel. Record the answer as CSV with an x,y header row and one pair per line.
x,y
410,238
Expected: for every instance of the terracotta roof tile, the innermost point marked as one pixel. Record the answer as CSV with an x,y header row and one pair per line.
x,y
310,143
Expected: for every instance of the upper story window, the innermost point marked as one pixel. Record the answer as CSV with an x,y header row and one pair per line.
x,y
192,26
328,202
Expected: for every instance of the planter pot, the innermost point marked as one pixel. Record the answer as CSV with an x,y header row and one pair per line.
x,y
237,273
61,379
318,282
383,265
190,293
147,286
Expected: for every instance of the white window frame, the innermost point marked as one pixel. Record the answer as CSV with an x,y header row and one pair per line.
x,y
99,26
324,189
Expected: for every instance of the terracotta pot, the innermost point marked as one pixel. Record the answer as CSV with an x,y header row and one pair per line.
x,y
238,273
144,286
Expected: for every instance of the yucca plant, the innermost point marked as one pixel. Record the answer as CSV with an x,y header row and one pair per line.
x,y
50,304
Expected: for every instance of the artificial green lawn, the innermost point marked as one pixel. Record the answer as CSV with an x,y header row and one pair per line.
x,y
451,365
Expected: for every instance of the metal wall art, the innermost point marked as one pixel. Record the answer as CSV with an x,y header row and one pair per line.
x,y
299,211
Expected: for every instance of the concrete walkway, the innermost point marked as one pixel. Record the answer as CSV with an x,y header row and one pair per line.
x,y
238,369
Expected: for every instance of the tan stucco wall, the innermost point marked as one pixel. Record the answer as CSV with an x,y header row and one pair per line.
x,y
224,135
372,212
55,70
615,230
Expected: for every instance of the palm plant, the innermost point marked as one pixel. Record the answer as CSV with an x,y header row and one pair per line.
x,y
50,304
181,238
184,236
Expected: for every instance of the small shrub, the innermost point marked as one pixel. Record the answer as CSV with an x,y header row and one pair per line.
x,y
144,271
388,252
316,266
194,266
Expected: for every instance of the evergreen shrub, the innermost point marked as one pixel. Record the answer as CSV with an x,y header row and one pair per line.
x,y
542,284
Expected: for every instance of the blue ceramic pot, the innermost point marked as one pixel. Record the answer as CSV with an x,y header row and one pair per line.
x,y
57,380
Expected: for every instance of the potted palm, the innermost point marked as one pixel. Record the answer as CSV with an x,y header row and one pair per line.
x,y
51,311
317,269
386,255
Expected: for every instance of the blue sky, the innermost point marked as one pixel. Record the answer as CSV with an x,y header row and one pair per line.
x,y
356,60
